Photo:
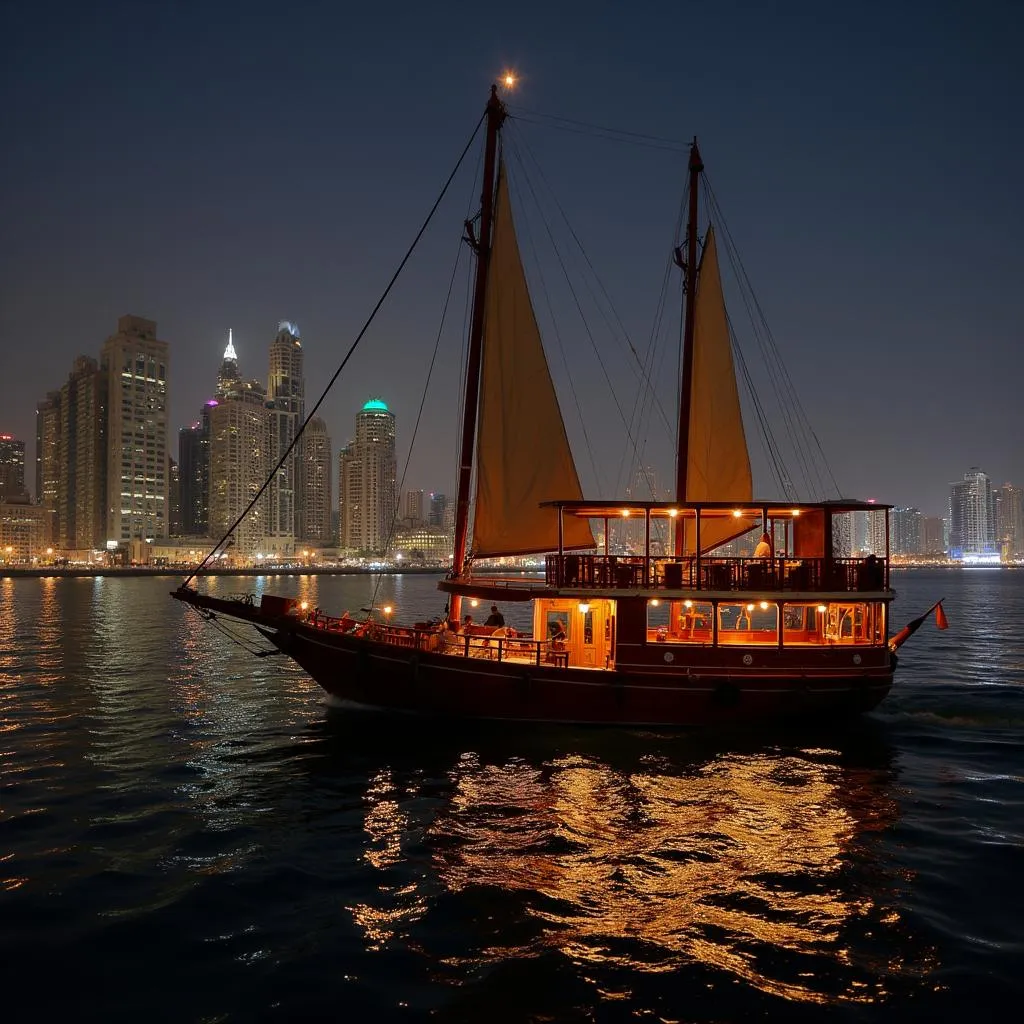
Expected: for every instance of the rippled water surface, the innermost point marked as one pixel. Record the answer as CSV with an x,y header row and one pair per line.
x,y
190,833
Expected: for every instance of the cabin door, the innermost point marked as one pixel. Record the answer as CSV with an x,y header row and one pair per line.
x,y
588,628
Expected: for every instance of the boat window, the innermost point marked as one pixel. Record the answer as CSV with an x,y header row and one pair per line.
x,y
588,627
679,622
557,623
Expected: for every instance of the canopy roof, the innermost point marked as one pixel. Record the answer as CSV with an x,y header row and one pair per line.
x,y
598,509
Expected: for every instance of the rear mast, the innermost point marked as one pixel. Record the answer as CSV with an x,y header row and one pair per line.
x,y
495,115
686,385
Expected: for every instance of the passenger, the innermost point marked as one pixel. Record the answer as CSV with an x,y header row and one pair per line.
x,y
495,618
467,623
558,635
764,547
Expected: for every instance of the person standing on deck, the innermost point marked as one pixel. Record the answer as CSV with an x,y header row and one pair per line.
x,y
495,618
764,547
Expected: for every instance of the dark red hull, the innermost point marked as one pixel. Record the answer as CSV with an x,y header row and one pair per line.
x,y
405,679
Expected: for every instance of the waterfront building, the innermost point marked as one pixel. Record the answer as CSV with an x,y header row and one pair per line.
x,y
1010,521
194,473
367,470
422,545
173,499
933,536
437,514
12,468
240,446
82,478
24,533
904,532
135,365
48,457
316,478
972,515
286,399
414,509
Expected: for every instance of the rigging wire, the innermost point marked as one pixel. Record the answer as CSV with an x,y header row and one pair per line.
x,y
568,124
570,376
348,356
618,327
576,298
423,400
798,424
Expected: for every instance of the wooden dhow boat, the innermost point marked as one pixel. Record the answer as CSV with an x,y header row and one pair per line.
x,y
675,632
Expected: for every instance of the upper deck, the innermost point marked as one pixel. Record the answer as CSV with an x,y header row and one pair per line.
x,y
682,548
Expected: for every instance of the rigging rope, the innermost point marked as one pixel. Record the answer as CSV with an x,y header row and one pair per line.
x,y
348,356
423,398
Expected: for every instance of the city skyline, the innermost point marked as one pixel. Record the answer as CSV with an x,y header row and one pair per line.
x,y
843,189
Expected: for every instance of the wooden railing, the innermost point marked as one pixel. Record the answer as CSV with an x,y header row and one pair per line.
x,y
635,572
479,642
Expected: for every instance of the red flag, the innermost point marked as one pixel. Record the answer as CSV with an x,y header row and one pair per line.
x,y
941,622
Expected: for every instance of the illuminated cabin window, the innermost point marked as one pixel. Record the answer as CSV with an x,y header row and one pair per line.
x,y
679,622
838,622
748,623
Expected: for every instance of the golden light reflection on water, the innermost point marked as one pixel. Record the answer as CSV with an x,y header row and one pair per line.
x,y
740,864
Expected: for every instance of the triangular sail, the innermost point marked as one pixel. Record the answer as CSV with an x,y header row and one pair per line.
x,y
523,455
718,463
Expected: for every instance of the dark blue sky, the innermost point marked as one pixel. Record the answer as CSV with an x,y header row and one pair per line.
x,y
217,165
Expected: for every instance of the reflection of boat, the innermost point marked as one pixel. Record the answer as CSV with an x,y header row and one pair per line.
x,y
683,636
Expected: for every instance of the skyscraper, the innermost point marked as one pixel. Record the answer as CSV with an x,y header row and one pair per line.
x,y
286,398
972,512
240,444
135,364
12,468
366,481
905,531
933,536
316,476
437,510
82,480
194,473
228,377
48,457
1010,520
413,512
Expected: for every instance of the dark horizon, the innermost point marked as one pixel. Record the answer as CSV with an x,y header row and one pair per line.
x,y
234,167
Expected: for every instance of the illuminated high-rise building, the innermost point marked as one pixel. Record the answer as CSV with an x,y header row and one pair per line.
x,y
48,457
135,364
12,468
972,513
414,508
240,445
437,510
227,376
316,477
286,399
194,473
367,470
82,478
904,532
1010,521
933,536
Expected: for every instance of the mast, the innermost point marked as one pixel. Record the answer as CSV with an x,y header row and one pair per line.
x,y
686,386
495,114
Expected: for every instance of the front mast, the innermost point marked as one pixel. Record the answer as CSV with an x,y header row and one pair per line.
x,y
495,114
686,386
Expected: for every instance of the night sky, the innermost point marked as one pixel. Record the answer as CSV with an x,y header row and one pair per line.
x,y
217,165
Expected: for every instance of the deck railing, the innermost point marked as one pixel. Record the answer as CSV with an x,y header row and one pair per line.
x,y
478,643
635,572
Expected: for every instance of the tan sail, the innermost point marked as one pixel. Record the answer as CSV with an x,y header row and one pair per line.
x,y
523,455
718,464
